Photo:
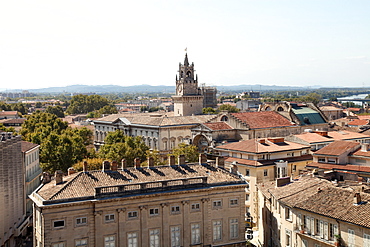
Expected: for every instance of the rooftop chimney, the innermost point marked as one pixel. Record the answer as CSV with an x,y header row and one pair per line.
x,y
276,139
85,166
71,171
220,162
321,132
261,141
171,160
46,178
106,165
202,159
114,165
123,164
181,159
58,177
357,198
364,147
137,162
150,162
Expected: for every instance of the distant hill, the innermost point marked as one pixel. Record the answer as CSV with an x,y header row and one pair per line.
x,y
152,89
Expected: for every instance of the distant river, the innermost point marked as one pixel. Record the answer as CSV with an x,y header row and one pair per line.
x,y
357,96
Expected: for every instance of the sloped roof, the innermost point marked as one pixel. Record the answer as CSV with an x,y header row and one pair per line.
x,y
359,122
347,167
312,137
157,119
263,119
306,115
83,184
321,197
218,126
254,146
25,146
337,148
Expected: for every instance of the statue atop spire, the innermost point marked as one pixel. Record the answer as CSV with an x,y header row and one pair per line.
x,y
186,62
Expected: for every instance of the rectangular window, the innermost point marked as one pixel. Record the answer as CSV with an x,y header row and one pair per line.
x,y
351,238
109,217
288,214
326,230
195,233
153,211
109,241
175,236
304,243
154,238
317,224
247,197
288,237
58,223
265,172
321,229
81,221
247,172
195,206
132,214
81,242
217,230
234,228
132,239
332,230
217,204
366,240
234,202
175,209
294,168
321,160
58,245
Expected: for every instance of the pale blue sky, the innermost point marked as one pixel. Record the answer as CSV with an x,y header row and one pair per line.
x,y
280,42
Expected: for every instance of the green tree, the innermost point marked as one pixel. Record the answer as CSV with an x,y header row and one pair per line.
x,y
83,103
190,151
56,110
60,146
209,110
19,107
229,108
6,129
118,146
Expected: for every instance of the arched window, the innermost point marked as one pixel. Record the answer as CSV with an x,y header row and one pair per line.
x,y
280,108
224,118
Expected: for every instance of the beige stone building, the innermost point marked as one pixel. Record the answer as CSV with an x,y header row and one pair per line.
x,y
313,212
160,131
262,160
182,205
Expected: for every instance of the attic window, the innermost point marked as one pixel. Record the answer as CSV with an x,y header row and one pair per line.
x,y
306,120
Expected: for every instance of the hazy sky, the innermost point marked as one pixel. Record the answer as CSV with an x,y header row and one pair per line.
x,y
277,42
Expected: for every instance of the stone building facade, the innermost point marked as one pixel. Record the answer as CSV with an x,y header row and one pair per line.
x,y
191,99
13,219
313,212
182,205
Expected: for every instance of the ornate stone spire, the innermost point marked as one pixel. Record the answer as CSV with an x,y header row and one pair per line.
x,y
186,62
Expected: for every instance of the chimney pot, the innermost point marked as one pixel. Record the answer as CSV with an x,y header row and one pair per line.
x,y
181,159
123,164
364,147
85,166
137,162
106,165
202,159
114,165
58,177
220,162
150,161
71,171
171,160
357,198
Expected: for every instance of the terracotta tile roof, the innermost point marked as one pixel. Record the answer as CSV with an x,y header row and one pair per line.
x,y
347,167
267,119
322,197
25,146
338,148
14,121
218,126
312,137
353,109
359,152
83,184
254,146
243,161
330,108
359,122
8,113
367,117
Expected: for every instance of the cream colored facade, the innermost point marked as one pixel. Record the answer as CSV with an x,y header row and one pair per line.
x,y
262,166
186,211
286,221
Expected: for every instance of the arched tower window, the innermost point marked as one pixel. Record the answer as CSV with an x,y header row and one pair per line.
x,y
188,74
280,108
224,118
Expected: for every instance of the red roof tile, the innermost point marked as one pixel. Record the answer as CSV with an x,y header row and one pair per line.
x,y
218,126
359,122
267,119
338,148
347,167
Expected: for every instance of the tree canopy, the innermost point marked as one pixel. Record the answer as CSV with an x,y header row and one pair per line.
x,y
190,151
56,110
60,146
86,103
229,108
118,146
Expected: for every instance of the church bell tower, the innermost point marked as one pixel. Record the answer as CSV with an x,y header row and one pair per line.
x,y
188,100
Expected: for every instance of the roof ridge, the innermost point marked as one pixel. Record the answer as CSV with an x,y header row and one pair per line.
x,y
65,186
